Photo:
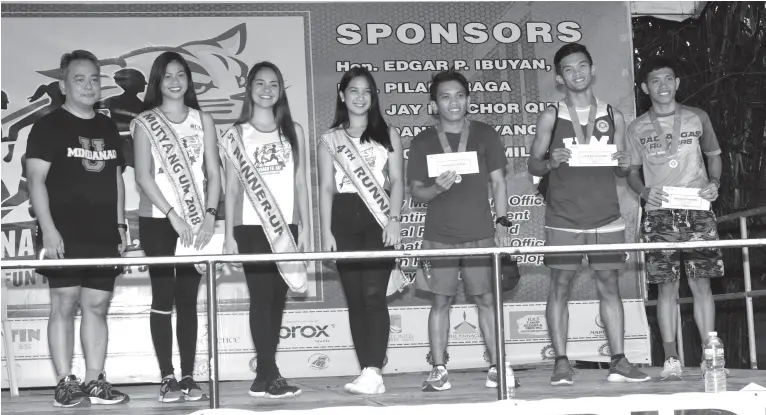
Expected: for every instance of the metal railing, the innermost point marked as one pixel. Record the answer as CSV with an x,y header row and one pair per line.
x,y
495,252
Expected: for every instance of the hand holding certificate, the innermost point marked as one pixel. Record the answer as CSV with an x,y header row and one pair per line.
x,y
592,156
684,198
461,163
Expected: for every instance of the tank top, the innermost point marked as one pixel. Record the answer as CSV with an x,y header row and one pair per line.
x,y
373,153
273,156
191,135
582,197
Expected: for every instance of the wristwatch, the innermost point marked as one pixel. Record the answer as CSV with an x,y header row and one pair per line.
x,y
395,218
212,211
503,220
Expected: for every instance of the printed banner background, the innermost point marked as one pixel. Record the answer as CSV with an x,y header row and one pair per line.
x,y
505,53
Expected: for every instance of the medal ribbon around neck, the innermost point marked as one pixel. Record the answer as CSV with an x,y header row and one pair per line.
x,y
461,145
583,139
661,133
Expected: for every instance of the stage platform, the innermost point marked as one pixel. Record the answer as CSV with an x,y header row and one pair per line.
x,y
402,389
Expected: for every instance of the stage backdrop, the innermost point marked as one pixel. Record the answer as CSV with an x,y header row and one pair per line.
x,y
504,49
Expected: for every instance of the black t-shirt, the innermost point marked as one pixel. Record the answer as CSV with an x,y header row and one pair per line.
x,y
82,180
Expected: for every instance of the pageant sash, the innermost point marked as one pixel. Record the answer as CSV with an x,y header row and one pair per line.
x,y
176,165
273,221
346,156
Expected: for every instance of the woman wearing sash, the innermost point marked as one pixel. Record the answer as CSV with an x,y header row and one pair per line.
x,y
177,171
266,194
357,214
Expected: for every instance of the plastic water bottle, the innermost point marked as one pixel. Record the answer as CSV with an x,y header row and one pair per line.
x,y
715,376
510,381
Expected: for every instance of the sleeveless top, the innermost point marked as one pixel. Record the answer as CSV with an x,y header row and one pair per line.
x,y
373,153
582,197
273,156
191,135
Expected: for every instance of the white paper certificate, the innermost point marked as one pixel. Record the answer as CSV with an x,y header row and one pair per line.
x,y
684,198
584,155
462,163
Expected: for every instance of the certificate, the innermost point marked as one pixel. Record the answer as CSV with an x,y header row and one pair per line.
x,y
684,198
466,162
584,155
213,247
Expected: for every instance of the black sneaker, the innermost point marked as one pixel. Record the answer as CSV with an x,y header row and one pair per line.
x,y
170,390
278,388
191,389
101,392
258,388
69,394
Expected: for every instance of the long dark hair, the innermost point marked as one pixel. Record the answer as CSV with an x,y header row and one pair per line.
x,y
377,129
153,97
281,108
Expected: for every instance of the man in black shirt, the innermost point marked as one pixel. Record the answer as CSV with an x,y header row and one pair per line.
x,y
74,168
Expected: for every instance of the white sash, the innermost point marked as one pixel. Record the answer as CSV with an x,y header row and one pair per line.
x,y
176,165
273,222
347,158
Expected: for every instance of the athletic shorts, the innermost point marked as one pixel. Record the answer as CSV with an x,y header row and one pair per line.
x,y
679,225
612,233
97,278
476,272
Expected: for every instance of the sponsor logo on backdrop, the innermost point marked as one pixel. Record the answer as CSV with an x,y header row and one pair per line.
x,y
547,352
319,361
201,366
222,340
254,363
600,324
396,334
25,338
313,331
604,350
535,324
465,331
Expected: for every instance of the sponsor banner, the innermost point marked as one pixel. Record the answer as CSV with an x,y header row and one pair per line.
x,y
318,343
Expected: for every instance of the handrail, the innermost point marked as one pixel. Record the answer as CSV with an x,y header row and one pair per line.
x,y
743,214
356,255
496,252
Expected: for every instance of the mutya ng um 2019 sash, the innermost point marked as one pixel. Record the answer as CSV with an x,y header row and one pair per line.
x,y
346,156
176,165
258,194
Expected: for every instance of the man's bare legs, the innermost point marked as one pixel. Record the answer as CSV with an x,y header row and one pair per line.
x,y
486,305
611,309
64,303
438,327
94,333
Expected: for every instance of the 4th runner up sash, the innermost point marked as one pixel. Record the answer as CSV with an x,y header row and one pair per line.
x,y
258,194
176,165
347,158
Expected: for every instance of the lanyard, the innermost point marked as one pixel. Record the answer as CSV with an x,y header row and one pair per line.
x,y
583,139
661,134
463,138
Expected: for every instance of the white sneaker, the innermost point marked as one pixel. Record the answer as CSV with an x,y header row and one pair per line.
x,y
671,370
368,383
353,384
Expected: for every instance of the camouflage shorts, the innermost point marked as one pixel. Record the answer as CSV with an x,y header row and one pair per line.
x,y
677,225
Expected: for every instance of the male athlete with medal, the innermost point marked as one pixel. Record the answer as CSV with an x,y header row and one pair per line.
x,y
459,216
667,143
582,206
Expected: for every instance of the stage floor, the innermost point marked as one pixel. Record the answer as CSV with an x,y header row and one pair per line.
x,y
402,389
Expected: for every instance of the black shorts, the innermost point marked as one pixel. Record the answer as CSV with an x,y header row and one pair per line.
x,y
97,278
